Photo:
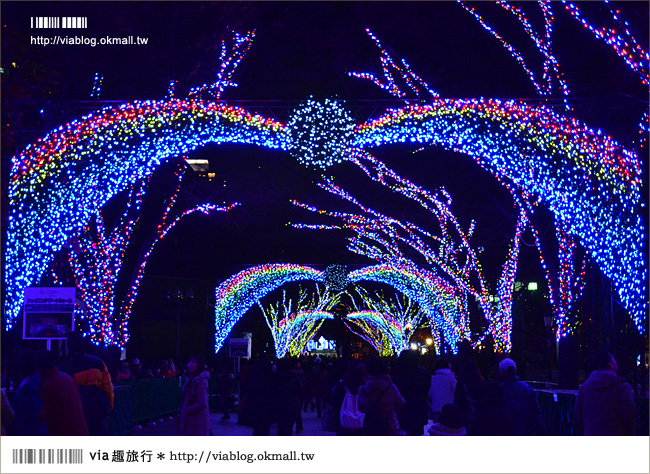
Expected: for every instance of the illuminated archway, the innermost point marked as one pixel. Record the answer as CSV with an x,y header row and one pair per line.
x,y
590,182
238,293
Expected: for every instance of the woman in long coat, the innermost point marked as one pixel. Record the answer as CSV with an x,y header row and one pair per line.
x,y
195,410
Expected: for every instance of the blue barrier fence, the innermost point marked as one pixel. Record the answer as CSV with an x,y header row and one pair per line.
x,y
557,411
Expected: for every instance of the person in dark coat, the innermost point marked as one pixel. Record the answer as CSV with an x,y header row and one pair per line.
x,y
413,383
95,384
7,413
521,399
287,391
605,404
261,397
492,416
354,377
62,411
27,400
226,386
195,410
380,400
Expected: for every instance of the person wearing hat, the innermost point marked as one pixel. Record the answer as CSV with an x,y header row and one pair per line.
x,y
521,399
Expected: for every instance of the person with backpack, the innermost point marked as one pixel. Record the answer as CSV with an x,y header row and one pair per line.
x,y
380,400
345,400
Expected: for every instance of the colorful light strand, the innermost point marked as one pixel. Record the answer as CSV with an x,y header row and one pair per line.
x,y
230,58
62,180
236,295
97,86
443,305
292,328
551,69
617,36
96,258
590,182
417,85
397,318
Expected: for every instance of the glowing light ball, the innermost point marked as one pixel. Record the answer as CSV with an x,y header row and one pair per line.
x,y
320,133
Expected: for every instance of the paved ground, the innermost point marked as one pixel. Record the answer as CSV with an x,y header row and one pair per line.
x,y
311,422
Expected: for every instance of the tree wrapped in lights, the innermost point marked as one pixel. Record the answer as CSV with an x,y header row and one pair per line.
x,y
392,71
589,181
97,258
388,323
230,57
444,305
448,250
238,293
292,328
564,266
551,78
379,330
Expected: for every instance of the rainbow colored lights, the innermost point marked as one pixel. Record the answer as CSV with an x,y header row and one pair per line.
x,y
386,324
59,182
292,328
590,182
443,305
236,295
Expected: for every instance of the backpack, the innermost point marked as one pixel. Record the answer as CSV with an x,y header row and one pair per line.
x,y
374,423
351,417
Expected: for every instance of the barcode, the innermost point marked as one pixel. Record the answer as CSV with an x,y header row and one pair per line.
x,y
59,22
48,456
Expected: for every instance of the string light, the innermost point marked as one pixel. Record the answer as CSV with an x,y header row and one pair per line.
x,y
445,308
389,323
590,182
417,85
543,42
236,295
97,86
292,328
620,39
61,181
230,58
320,133
97,258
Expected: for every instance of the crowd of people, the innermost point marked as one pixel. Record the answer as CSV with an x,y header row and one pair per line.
x,y
351,396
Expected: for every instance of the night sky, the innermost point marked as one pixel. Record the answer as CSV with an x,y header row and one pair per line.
x,y
303,49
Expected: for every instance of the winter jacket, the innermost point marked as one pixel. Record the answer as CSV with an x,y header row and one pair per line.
x,y
524,408
380,392
27,403
7,412
413,384
95,389
441,391
62,411
438,429
195,410
89,371
605,405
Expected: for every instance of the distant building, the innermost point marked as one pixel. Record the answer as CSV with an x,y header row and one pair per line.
x,y
201,167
